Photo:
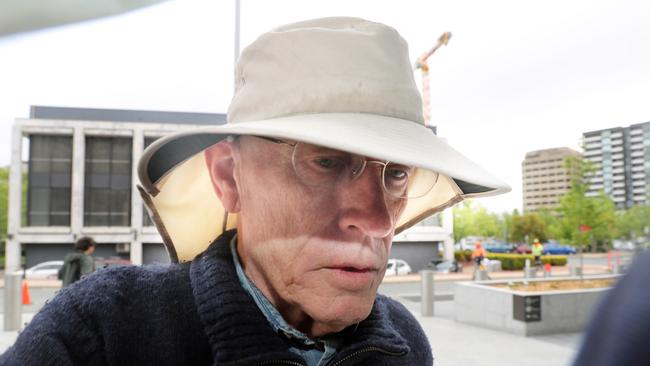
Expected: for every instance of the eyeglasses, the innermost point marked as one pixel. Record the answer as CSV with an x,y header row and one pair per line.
x,y
319,166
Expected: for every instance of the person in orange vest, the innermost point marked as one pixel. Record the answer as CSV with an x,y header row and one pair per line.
x,y
478,254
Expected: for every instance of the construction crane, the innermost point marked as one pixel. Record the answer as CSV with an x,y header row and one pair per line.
x,y
421,63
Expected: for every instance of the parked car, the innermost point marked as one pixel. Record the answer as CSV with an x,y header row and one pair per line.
x,y
623,245
497,247
523,249
443,266
468,243
44,271
397,267
557,248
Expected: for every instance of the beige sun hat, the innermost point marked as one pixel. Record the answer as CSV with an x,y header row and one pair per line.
x,y
343,83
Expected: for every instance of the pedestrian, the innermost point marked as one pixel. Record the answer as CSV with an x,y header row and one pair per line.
x,y
478,256
78,263
537,250
281,220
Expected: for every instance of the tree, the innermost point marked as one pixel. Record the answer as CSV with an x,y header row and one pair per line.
x,y
634,222
576,209
528,227
553,226
474,221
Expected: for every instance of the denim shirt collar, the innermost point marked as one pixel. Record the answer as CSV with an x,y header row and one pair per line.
x,y
314,352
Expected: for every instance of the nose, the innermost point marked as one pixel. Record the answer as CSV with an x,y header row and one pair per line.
x,y
365,207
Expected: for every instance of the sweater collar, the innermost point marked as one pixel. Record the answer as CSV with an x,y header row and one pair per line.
x,y
240,334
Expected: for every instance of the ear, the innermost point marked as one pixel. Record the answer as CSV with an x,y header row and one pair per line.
x,y
220,160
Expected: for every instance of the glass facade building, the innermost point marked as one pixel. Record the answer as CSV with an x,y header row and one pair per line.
x,y
621,160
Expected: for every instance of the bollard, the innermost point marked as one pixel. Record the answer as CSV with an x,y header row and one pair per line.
x,y
616,268
13,301
426,288
481,275
530,272
576,271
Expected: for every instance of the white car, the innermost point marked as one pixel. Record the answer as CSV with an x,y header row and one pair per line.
x,y
397,267
44,271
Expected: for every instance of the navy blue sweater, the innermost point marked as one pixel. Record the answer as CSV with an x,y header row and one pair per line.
x,y
192,314
619,332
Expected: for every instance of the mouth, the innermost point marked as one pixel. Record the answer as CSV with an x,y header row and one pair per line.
x,y
352,278
353,269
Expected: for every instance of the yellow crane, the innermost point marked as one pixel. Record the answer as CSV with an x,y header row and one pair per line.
x,y
421,63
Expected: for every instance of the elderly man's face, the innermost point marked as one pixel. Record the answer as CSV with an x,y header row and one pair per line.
x,y
317,253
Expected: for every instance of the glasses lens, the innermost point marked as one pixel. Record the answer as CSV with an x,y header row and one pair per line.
x,y
320,166
402,181
323,167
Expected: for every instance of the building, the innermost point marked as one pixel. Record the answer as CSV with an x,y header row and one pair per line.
x,y
431,239
80,170
545,177
621,162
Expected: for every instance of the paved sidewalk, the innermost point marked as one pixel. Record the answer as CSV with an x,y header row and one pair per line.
x,y
7,338
461,344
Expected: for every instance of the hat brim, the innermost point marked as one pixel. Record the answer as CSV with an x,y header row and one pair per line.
x,y
188,214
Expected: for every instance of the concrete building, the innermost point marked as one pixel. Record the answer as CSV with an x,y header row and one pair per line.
x,y
430,239
545,178
621,158
80,171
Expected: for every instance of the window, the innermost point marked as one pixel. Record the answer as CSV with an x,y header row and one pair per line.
x,y
107,196
146,219
49,180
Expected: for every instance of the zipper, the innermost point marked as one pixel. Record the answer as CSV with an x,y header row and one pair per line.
x,y
337,363
367,349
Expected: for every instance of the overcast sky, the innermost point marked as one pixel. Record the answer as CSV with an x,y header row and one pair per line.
x,y
516,76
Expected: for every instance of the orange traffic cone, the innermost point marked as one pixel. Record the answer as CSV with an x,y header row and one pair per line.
x,y
27,300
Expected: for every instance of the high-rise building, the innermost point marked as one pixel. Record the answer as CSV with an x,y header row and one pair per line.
x,y
621,161
545,177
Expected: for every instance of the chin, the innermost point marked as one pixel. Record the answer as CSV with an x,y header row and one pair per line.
x,y
345,311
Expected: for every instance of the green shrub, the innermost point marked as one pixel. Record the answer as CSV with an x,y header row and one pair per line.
x,y
512,261
518,261
463,255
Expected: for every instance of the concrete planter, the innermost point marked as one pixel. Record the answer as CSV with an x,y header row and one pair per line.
x,y
524,312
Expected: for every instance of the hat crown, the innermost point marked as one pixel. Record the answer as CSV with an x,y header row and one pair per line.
x,y
328,65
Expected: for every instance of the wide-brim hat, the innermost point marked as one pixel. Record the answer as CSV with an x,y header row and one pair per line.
x,y
342,83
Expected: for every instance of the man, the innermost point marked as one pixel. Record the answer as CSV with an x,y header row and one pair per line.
x,y
478,254
323,158
79,263
537,250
